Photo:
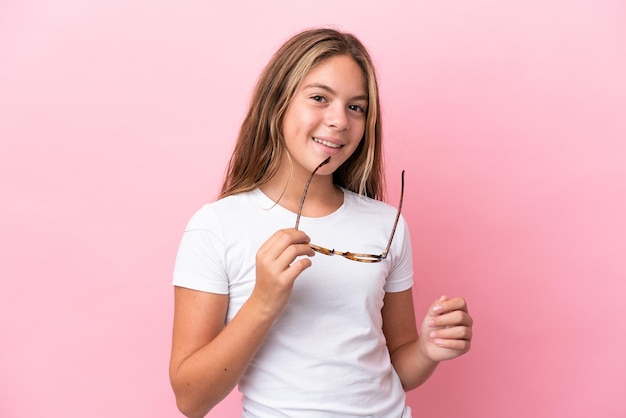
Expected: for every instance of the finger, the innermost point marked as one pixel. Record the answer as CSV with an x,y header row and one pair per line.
x,y
445,304
292,252
436,307
452,333
286,267
280,240
451,319
299,266
462,346
285,237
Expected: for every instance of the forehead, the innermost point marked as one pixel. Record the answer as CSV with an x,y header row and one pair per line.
x,y
340,72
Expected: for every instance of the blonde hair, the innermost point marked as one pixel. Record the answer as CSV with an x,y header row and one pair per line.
x,y
260,145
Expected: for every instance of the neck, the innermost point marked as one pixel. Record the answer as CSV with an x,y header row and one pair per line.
x,y
286,188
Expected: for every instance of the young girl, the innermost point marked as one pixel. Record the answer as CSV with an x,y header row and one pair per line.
x,y
262,298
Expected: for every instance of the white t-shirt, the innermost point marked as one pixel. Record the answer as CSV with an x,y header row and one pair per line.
x,y
326,355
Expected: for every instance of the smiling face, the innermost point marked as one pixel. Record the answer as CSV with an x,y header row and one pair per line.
x,y
327,115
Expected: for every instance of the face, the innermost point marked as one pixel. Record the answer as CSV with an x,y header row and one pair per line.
x,y
327,115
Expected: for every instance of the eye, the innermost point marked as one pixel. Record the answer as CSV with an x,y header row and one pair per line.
x,y
319,98
357,108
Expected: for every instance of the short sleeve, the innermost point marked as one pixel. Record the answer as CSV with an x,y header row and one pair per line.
x,y
401,275
200,258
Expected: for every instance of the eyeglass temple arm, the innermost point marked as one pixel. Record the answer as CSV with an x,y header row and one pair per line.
x,y
306,188
395,224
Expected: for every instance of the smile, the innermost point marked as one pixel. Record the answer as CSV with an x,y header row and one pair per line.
x,y
327,143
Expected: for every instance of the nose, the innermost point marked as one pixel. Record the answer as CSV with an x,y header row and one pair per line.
x,y
337,117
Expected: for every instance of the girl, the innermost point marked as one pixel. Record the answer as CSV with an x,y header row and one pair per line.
x,y
262,299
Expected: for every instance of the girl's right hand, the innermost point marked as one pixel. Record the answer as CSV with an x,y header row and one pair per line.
x,y
277,270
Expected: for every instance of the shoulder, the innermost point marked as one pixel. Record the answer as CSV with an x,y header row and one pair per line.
x,y
366,205
376,214
212,214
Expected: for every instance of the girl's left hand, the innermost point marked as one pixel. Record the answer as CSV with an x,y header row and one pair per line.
x,y
446,330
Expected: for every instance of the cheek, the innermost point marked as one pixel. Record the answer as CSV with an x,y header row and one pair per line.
x,y
358,131
296,120
355,143
289,126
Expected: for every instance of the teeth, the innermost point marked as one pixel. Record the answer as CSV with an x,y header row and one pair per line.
x,y
328,144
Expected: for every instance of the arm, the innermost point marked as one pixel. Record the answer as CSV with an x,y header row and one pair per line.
x,y
208,359
446,333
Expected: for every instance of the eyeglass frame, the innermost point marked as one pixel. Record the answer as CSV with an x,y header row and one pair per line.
x,y
360,257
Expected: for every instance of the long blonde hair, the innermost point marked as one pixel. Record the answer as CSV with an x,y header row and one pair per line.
x,y
260,145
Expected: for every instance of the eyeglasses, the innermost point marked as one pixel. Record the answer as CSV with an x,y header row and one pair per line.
x,y
363,258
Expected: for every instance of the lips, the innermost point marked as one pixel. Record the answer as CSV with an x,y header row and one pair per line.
x,y
327,143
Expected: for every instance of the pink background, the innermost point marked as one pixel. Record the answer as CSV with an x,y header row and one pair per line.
x,y
116,121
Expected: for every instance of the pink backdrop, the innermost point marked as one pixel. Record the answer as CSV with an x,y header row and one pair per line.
x,y
116,120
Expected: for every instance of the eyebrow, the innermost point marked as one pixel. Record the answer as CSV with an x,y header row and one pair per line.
x,y
333,92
